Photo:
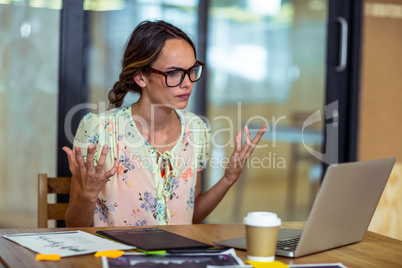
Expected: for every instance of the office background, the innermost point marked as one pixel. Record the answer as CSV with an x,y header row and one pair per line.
x,y
271,58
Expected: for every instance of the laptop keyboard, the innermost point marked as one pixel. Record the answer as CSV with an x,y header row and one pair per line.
x,y
288,244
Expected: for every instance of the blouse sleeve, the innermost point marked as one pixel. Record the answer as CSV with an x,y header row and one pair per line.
x,y
87,134
201,142
92,131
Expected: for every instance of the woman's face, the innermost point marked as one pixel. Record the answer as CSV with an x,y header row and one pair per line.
x,y
176,54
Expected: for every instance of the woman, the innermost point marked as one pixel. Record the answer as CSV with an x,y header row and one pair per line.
x,y
141,164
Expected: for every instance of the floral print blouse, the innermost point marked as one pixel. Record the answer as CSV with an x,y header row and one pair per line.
x,y
141,193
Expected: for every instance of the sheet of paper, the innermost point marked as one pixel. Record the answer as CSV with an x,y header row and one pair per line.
x,y
66,244
318,265
226,258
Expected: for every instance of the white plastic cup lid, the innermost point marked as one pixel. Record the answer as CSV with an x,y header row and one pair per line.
x,y
262,219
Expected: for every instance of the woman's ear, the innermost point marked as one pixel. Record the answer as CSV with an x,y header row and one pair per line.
x,y
140,79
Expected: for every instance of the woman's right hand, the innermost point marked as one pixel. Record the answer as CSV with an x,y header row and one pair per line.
x,y
91,178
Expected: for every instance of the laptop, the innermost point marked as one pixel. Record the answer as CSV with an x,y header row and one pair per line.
x,y
341,212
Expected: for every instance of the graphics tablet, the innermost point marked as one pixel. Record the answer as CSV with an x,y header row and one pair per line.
x,y
152,239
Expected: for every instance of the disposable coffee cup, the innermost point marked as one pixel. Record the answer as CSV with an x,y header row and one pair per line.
x,y
261,234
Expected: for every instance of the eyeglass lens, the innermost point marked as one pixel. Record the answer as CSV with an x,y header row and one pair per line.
x,y
174,78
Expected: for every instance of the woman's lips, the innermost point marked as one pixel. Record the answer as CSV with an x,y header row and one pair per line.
x,y
184,96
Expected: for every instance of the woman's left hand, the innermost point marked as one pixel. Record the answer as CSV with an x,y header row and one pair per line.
x,y
241,154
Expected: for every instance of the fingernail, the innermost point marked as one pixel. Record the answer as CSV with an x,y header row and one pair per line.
x,y
105,147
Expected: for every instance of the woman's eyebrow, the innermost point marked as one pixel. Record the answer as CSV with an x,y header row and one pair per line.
x,y
175,68
180,68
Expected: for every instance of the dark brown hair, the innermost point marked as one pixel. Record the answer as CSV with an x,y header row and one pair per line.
x,y
142,49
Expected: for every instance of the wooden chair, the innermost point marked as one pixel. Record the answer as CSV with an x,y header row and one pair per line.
x,y
52,211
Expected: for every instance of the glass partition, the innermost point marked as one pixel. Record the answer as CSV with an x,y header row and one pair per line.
x,y
29,58
266,63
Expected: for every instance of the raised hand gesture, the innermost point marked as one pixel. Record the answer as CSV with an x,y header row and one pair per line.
x,y
90,178
241,153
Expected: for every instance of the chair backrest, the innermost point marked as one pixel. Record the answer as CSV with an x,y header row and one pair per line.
x,y
52,211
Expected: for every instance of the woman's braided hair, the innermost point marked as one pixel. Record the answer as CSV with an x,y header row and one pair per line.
x,y
142,49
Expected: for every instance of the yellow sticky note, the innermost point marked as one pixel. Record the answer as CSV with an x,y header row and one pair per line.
x,y
47,257
272,264
109,253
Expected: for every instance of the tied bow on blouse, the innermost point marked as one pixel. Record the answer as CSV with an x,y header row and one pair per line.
x,y
166,178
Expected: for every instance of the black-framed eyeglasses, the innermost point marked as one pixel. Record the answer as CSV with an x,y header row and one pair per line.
x,y
175,77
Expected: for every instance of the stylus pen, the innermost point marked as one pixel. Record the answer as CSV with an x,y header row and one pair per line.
x,y
194,250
